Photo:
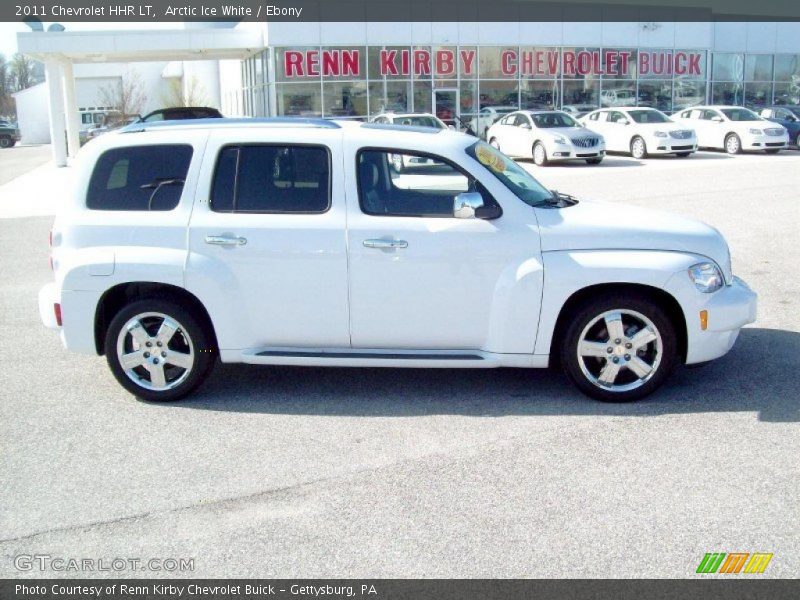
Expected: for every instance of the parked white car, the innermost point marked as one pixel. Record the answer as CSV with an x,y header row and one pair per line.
x,y
546,136
733,129
486,117
293,242
641,131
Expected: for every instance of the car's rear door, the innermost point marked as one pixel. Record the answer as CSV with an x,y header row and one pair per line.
x,y
267,249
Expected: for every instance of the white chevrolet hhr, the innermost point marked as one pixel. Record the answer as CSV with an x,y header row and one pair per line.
x,y
295,242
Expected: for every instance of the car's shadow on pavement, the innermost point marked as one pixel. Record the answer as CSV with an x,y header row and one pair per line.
x,y
608,162
758,375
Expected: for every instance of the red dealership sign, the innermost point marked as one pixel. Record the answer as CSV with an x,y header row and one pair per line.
x,y
535,63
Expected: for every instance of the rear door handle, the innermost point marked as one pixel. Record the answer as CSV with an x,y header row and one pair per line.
x,y
225,240
384,244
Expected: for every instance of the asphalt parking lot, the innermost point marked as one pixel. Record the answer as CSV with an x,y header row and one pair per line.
x,y
300,472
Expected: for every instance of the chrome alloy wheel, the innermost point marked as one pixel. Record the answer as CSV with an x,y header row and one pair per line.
x,y
539,154
155,351
638,148
732,144
620,350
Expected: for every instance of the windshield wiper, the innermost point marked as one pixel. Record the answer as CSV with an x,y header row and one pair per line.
x,y
556,200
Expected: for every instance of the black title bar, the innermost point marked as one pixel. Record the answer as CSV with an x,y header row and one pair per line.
x,y
308,11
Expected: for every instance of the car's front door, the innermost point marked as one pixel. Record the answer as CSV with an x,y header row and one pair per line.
x,y
421,278
267,242
616,131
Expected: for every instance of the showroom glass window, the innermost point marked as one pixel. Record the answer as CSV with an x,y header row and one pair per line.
x,y
540,77
298,87
581,87
727,74
787,79
758,80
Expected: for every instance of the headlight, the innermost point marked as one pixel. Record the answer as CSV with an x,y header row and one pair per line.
x,y
559,140
660,133
754,131
706,277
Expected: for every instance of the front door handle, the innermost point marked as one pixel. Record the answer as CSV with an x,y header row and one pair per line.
x,y
384,244
225,240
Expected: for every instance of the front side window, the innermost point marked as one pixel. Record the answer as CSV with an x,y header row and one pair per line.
x,y
740,114
272,179
407,184
554,119
648,116
510,174
139,178
615,117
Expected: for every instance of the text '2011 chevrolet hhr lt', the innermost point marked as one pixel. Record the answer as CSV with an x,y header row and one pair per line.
x,y
296,242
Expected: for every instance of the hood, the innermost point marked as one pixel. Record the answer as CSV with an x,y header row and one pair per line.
x,y
593,225
570,132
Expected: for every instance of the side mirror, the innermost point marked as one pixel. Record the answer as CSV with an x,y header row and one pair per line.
x,y
717,119
624,122
466,204
526,126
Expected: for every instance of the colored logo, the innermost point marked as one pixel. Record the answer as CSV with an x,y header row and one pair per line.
x,y
734,562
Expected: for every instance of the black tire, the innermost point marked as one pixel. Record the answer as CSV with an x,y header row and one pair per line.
x,y
6,142
593,161
637,154
198,332
772,150
683,154
733,144
542,161
589,311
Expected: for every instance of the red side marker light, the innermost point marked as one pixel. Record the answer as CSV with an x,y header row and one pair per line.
x,y
57,310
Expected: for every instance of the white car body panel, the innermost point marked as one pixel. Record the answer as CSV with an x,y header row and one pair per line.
x,y
712,134
305,290
619,136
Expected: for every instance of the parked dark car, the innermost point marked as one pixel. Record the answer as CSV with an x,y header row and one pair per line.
x,y
180,113
9,134
789,117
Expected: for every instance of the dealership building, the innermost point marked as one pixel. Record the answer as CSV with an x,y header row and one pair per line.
x,y
454,69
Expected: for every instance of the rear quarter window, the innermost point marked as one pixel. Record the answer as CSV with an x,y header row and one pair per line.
x,y
133,178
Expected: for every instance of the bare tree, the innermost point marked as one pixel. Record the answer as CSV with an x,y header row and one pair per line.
x,y
127,95
191,94
23,72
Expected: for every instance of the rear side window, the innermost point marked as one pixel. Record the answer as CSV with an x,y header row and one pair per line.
x,y
272,179
139,178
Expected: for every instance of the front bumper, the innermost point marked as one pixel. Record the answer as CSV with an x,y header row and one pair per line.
x,y
729,309
764,142
671,145
569,151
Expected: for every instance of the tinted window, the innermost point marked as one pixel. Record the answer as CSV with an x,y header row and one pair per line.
x,y
272,179
139,178
418,122
740,114
648,116
411,185
554,119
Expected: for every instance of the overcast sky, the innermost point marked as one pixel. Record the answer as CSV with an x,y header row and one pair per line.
x,y
8,31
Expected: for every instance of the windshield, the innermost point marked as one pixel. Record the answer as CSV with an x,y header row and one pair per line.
x,y
649,116
795,110
419,122
740,114
553,119
515,178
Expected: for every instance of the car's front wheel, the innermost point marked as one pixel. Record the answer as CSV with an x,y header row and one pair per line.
x,y
540,154
733,145
158,351
6,142
638,147
619,347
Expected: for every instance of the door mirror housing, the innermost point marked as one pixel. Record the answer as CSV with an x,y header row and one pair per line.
x,y
466,204
717,119
624,122
526,126
470,205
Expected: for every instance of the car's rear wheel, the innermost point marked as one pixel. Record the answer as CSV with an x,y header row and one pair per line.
x,y
638,147
6,142
540,154
593,161
158,351
619,347
733,145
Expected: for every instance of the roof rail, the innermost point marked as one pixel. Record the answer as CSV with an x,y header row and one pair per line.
x,y
232,122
